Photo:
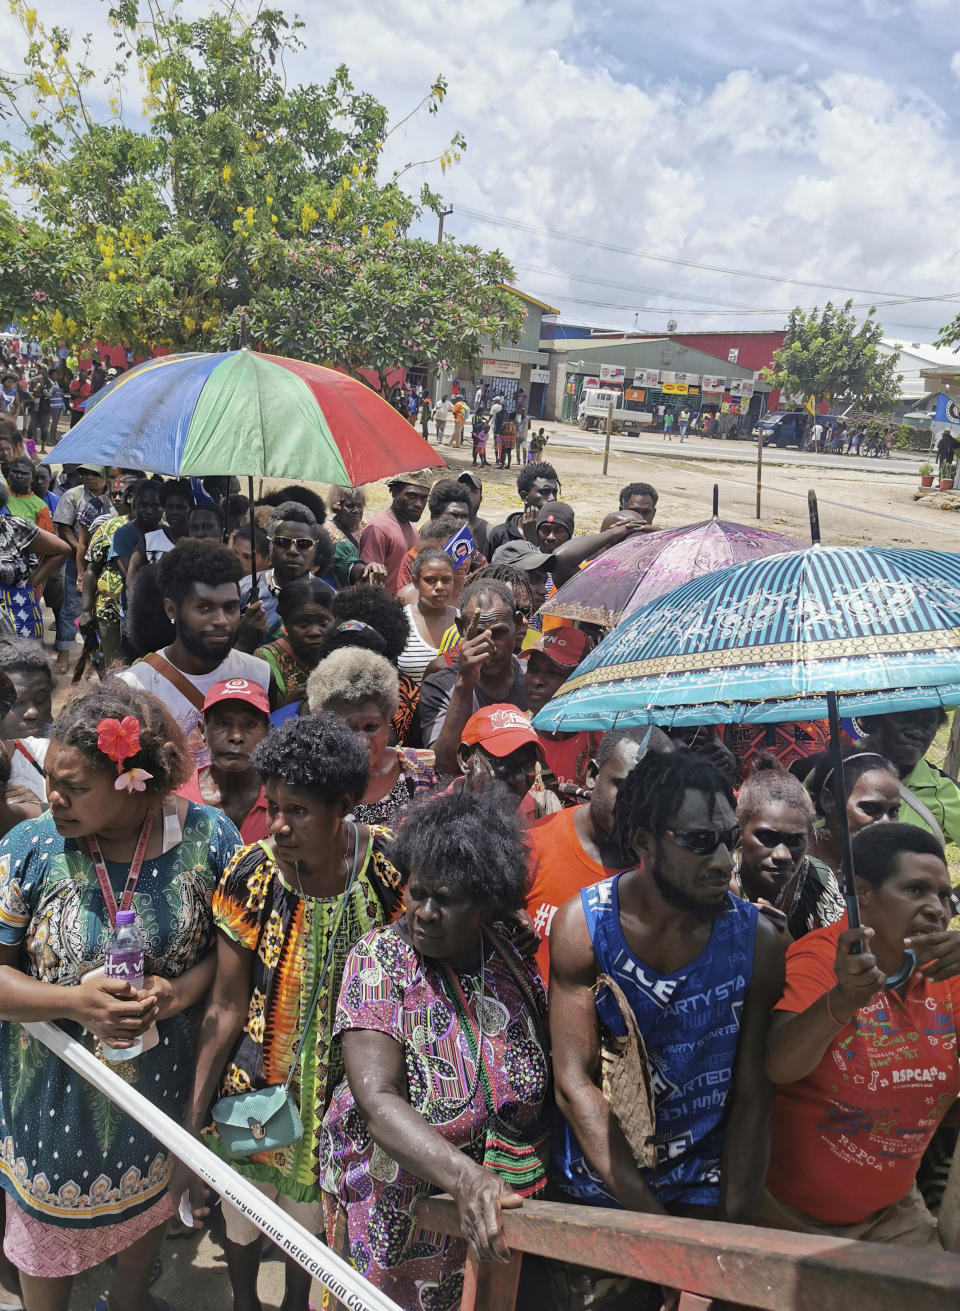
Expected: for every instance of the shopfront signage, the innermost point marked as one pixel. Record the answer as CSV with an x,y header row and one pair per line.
x,y
635,394
713,382
612,373
539,375
646,378
674,389
500,369
741,387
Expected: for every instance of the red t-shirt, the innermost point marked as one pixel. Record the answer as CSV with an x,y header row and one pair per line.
x,y
569,754
386,540
254,826
848,1138
559,869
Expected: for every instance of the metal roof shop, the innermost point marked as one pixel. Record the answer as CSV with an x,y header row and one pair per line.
x,y
515,372
655,375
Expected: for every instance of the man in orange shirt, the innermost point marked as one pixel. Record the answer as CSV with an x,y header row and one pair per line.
x,y
575,848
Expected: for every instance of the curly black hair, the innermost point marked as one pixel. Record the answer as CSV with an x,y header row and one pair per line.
x,y
313,501
301,592
443,493
23,654
177,487
638,489
323,556
191,562
164,752
147,626
878,847
319,752
435,554
653,791
440,530
380,609
529,474
291,512
470,838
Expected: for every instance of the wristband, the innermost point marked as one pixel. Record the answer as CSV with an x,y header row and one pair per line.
x,y
841,1024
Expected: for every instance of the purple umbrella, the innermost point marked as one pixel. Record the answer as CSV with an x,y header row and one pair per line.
x,y
647,565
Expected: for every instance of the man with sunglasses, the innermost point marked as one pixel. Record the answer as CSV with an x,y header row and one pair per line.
x,y
294,537
701,972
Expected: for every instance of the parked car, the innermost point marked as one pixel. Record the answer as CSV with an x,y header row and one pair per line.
x,y
784,429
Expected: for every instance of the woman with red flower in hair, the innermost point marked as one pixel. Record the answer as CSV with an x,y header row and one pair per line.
x,y
83,1182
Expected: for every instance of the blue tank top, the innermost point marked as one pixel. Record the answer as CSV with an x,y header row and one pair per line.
x,y
690,1023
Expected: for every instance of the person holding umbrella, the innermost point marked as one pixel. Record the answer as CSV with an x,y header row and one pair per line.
x,y
865,1068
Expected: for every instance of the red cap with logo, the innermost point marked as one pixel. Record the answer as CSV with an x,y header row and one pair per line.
x,y
500,729
238,689
566,647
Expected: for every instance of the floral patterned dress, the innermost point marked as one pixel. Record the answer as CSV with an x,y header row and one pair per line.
x,y
388,987
290,934
68,1156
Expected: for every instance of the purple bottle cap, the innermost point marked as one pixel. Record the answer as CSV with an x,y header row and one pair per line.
x,y
126,916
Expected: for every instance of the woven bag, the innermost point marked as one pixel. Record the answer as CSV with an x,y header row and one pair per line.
x,y
626,1082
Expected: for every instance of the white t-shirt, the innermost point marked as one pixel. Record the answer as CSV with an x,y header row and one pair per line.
x,y
23,773
157,544
236,665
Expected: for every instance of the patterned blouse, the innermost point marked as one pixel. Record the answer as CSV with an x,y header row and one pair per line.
x,y
68,1156
390,988
256,908
417,775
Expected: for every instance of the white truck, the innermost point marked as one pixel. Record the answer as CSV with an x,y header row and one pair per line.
x,y
594,409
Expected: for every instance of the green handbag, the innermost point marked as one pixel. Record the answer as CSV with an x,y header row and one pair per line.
x,y
266,1119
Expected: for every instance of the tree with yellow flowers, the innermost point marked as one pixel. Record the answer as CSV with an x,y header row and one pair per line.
x,y
225,188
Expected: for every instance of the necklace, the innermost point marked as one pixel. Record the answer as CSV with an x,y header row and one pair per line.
x,y
462,1009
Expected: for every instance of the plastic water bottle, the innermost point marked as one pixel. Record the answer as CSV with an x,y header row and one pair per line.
x,y
124,961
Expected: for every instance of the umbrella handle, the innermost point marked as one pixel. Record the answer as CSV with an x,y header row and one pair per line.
x,y
840,817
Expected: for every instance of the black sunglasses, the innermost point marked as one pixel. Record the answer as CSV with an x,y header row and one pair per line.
x,y
772,838
704,841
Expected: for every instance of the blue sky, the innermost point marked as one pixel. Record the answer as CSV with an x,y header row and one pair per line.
x,y
818,142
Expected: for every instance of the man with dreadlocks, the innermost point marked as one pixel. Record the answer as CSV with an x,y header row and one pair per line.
x,y
701,973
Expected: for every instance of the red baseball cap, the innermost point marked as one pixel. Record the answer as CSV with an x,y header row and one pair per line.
x,y
566,647
500,729
238,689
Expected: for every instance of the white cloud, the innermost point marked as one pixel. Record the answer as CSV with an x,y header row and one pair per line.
x,y
816,145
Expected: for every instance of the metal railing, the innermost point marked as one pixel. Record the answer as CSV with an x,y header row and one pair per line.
x,y
739,1264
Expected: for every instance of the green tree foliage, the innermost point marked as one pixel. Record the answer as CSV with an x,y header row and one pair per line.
x,y
829,355
225,187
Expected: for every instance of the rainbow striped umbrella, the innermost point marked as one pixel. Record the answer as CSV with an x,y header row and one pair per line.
x,y
240,412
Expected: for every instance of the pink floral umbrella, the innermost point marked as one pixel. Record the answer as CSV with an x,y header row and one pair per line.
x,y
647,565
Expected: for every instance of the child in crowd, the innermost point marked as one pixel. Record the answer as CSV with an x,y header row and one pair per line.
x,y
481,433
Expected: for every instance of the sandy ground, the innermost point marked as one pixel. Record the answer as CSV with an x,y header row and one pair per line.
x,y
861,501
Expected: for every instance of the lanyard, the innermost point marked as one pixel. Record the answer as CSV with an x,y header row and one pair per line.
x,y
103,878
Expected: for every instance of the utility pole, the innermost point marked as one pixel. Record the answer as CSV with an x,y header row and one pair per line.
x,y
759,467
606,444
440,217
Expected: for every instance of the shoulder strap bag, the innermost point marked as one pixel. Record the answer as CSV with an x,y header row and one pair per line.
x,y
626,1081
266,1119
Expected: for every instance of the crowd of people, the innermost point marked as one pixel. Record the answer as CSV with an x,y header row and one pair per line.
x,y
357,866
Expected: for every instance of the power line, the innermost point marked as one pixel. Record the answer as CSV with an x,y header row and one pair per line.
x,y
736,307
684,263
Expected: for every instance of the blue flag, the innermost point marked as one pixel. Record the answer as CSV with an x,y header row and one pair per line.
x,y
460,546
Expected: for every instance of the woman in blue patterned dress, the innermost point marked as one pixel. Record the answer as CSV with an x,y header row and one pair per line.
x,y
84,1182
447,1085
